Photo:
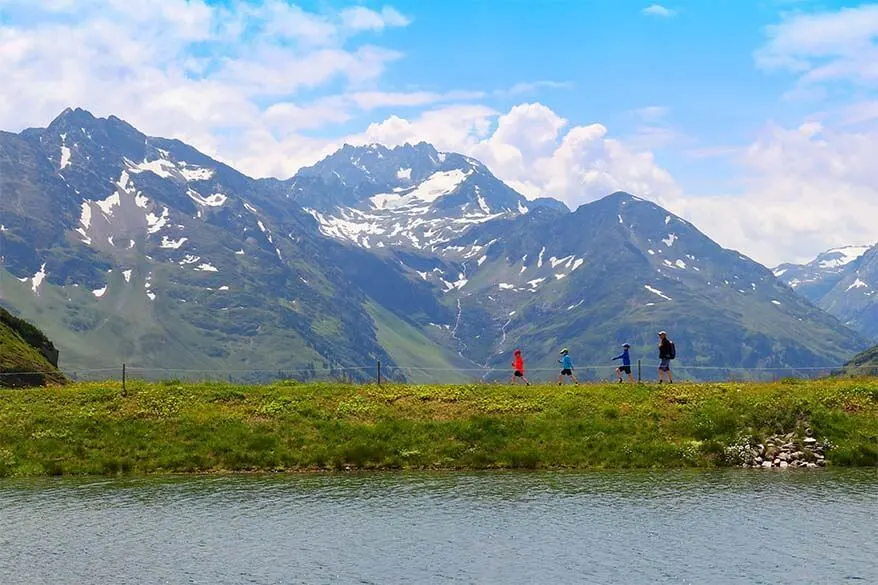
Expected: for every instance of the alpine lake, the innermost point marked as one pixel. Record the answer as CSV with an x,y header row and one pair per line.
x,y
681,527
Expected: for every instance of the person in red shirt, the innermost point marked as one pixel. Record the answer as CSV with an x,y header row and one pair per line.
x,y
518,368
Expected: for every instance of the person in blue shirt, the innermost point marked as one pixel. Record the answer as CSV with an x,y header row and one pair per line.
x,y
626,363
566,367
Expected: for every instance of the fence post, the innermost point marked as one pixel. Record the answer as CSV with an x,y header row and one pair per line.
x,y
379,372
124,389
638,372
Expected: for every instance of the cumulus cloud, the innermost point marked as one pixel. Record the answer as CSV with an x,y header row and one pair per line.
x,y
232,80
805,189
183,68
808,189
534,150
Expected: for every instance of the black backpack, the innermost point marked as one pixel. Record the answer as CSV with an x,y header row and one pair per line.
x,y
672,351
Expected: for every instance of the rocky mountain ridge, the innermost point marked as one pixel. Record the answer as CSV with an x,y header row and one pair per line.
x,y
132,248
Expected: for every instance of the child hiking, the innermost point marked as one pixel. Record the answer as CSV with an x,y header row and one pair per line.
x,y
518,368
566,367
626,364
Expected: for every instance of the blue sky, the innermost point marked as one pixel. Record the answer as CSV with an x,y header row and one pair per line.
x,y
757,120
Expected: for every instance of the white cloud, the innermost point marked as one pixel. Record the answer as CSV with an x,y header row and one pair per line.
x,y
360,18
534,150
186,69
808,189
369,100
658,10
533,87
230,80
826,46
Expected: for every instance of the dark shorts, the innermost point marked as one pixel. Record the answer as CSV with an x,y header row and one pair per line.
x,y
665,365
566,372
625,369
518,374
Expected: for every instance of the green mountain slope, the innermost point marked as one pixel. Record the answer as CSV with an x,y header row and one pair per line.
x,y
25,354
863,364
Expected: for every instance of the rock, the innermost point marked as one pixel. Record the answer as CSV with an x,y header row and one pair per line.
x,y
784,464
811,465
797,455
767,465
776,462
808,432
788,447
821,463
794,464
757,460
784,457
810,441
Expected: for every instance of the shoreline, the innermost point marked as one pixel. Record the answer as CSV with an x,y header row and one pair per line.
x,y
162,429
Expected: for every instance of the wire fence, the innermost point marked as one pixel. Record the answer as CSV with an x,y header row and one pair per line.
x,y
378,372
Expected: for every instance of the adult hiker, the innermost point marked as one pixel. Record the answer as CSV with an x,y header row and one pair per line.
x,y
667,352
518,368
566,367
626,363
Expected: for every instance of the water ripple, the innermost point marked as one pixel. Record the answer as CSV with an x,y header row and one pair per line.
x,y
509,528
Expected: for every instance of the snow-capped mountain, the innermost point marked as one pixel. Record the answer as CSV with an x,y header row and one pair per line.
x,y
816,278
618,270
136,249
130,248
408,196
843,282
854,300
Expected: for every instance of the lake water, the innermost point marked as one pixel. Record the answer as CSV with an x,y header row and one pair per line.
x,y
542,528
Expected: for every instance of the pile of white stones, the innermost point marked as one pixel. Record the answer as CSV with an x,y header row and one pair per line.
x,y
786,452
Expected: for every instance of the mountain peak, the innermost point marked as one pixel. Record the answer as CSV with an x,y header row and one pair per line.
x,y
77,117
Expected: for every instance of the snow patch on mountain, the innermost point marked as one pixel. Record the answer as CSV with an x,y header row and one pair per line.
x,y
838,257
65,158
36,279
193,173
857,284
109,203
172,244
656,291
215,200
155,223
161,167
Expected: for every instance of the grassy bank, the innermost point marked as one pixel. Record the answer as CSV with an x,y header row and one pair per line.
x,y
90,428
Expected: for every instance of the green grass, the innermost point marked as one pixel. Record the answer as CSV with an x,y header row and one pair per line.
x,y
169,427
